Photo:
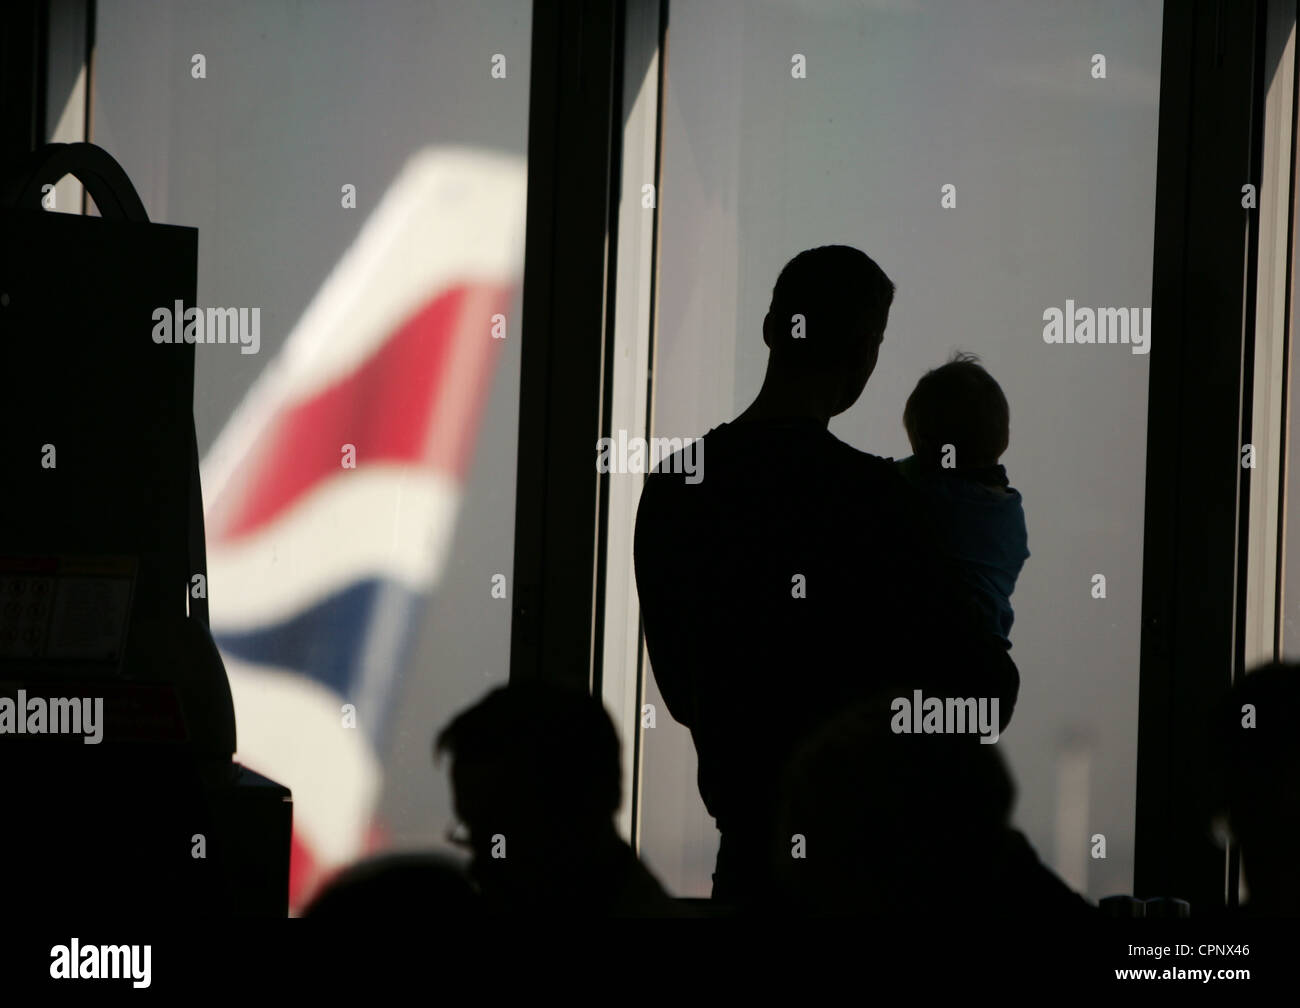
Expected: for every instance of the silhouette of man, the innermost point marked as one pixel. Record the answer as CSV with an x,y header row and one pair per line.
x,y
536,780
793,576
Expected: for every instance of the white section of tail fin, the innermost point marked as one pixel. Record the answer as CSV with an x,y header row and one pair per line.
x,y
452,215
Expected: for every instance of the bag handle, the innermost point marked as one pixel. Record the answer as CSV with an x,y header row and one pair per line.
x,y
92,166
116,199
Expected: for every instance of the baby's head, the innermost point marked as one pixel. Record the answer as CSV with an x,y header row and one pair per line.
x,y
962,405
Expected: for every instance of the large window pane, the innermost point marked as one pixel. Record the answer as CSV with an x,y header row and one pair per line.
x,y
357,173
1042,116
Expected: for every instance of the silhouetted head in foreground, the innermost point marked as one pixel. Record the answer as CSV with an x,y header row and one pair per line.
x,y
395,886
880,823
536,779
1260,764
827,318
961,404
892,824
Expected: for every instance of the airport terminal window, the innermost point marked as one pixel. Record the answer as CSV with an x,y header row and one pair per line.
x,y
1288,586
357,179
356,190
998,160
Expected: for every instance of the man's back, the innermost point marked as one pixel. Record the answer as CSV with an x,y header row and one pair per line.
x,y
774,592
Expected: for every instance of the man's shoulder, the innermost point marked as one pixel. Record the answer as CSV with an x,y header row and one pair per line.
x,y
732,442
873,466
673,459
765,465
873,477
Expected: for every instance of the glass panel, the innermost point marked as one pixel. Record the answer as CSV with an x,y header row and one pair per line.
x,y
358,175
1288,588
789,126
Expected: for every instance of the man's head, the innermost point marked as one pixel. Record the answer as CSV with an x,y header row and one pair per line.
x,y
396,884
828,315
959,404
894,822
536,765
